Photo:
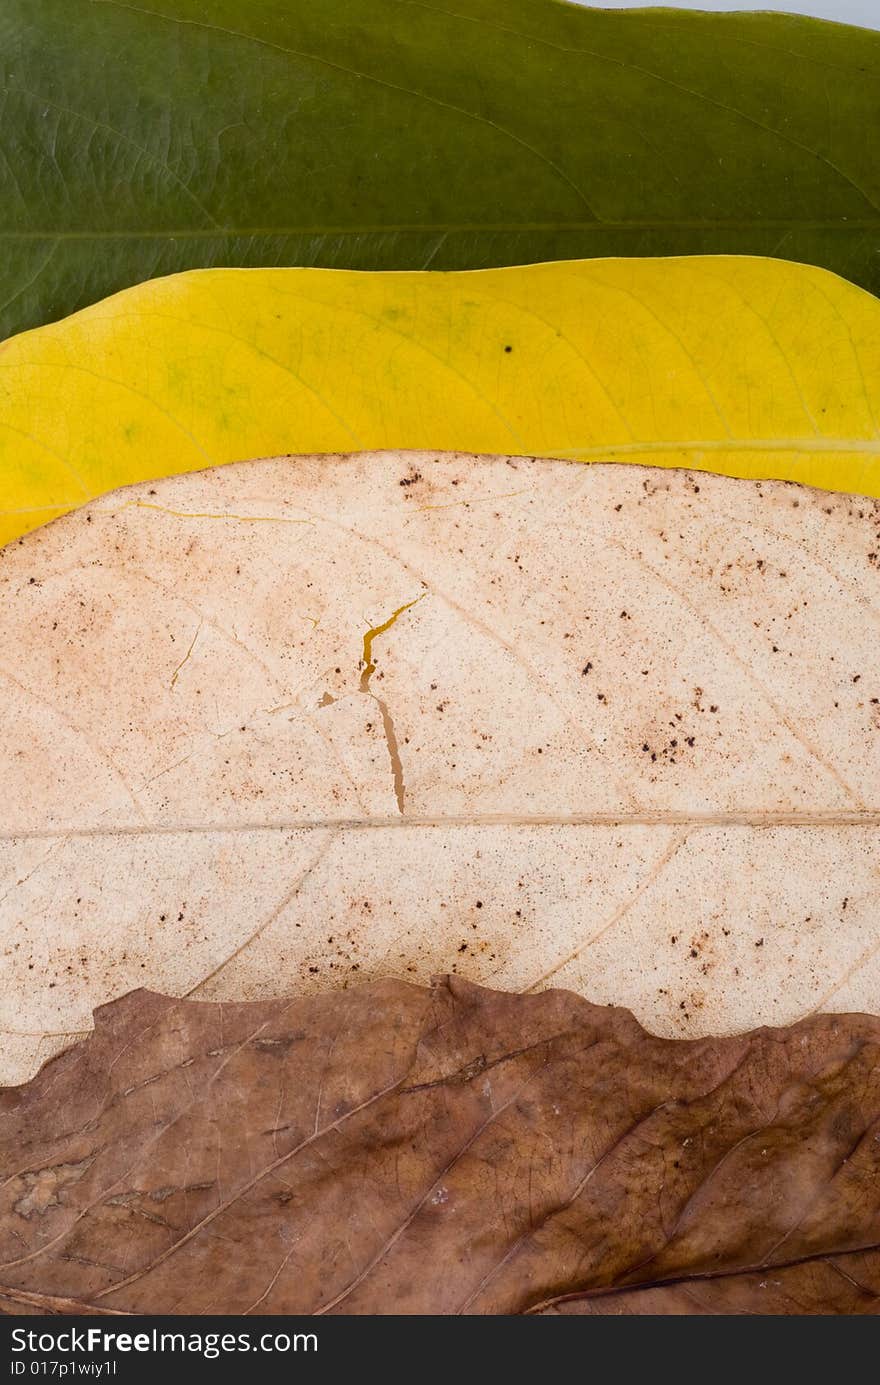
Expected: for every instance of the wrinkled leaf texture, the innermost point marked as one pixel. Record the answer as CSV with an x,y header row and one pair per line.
x,y
458,1150
143,139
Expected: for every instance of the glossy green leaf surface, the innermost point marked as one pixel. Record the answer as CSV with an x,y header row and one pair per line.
x,y
142,139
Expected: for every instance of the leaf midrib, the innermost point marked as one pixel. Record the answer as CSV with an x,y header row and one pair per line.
x,y
695,821
842,223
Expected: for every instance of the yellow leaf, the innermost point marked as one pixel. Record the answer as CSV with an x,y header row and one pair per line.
x,y
750,367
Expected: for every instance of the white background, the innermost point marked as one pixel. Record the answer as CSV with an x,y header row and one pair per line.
x,y
865,12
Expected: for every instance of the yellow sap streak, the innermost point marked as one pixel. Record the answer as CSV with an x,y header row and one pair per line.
x,y
176,674
369,668
207,514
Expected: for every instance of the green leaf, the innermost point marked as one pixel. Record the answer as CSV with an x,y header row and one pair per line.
x,y
144,139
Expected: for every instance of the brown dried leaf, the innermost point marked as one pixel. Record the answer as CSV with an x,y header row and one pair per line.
x,y
455,1150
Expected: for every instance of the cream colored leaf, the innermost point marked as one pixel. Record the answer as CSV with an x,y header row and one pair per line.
x,y
283,726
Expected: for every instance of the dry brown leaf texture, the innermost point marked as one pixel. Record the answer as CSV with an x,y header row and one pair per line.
x,y
453,1150
290,724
